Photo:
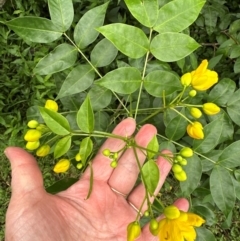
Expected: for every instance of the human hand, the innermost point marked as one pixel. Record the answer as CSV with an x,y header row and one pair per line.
x,y
34,214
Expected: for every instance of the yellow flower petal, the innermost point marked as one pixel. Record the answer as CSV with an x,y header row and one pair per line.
x,y
203,78
195,220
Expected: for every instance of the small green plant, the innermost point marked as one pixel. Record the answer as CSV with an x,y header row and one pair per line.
x,y
107,72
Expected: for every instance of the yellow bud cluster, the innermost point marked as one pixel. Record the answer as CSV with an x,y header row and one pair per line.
x,y
32,137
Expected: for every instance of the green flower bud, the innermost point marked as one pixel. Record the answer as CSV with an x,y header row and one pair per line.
x,y
113,164
176,168
43,150
62,166
32,135
78,157
171,212
42,128
183,162
179,158
153,227
133,231
192,93
79,165
146,213
186,152
106,152
32,124
32,145
182,176
115,155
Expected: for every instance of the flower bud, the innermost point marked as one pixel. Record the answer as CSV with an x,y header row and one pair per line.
x,y
195,130
195,112
43,150
179,158
114,164
32,145
183,162
186,79
51,105
62,166
106,152
78,157
42,128
181,176
133,231
153,227
32,124
115,155
32,135
177,168
146,213
186,152
171,212
79,165
210,108
192,93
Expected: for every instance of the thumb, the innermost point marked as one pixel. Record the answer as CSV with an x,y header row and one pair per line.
x,y
26,175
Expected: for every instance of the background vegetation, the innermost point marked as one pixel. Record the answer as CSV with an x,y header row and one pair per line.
x,y
217,30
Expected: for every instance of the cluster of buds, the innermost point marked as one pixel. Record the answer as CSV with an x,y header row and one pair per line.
x,y
200,79
113,156
33,136
36,131
180,161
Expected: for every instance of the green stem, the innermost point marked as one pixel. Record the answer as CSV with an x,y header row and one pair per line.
x,y
143,75
183,116
83,55
150,116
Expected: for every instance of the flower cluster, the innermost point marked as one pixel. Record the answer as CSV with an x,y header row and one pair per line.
x,y
34,134
180,161
200,79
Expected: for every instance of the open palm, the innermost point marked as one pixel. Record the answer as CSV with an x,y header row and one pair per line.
x,y
34,214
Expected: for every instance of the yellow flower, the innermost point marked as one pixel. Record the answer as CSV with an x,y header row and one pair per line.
x,y
195,130
62,166
178,225
195,112
51,105
203,78
210,108
133,231
32,145
43,150
32,135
